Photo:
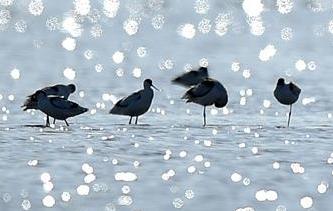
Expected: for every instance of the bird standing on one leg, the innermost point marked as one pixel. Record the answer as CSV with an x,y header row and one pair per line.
x,y
207,93
137,103
287,94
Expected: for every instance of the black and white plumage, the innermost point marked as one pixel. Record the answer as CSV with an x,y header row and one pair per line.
x,y
208,92
137,103
192,78
58,90
287,94
57,107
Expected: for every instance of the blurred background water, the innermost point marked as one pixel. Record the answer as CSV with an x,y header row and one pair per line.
x,y
241,161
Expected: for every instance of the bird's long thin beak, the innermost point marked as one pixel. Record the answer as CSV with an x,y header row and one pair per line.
x,y
155,88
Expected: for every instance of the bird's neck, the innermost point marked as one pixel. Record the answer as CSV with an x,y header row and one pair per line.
x,y
147,88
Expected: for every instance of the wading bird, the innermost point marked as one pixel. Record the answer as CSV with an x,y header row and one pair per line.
x,y
137,103
57,107
287,94
58,90
207,93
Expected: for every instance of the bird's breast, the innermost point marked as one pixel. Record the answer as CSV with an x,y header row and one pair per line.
x,y
284,95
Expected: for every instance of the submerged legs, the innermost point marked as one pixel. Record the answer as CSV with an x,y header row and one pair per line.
x,y
204,116
130,121
289,114
136,120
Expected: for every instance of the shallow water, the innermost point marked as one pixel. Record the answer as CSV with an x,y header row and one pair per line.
x,y
247,139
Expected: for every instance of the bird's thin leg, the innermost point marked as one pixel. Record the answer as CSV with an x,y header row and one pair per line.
x,y
136,120
289,114
47,120
204,116
130,121
54,120
66,122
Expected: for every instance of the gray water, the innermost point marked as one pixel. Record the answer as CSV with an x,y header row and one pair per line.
x,y
244,149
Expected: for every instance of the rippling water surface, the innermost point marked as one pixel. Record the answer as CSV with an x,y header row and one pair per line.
x,y
245,159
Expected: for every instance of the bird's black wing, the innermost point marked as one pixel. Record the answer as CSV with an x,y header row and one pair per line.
x,y
186,77
200,90
61,103
294,88
128,100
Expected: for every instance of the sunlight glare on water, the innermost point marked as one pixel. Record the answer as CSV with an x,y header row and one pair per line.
x,y
245,159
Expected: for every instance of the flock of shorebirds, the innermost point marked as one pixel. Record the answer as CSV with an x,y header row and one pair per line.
x,y
203,90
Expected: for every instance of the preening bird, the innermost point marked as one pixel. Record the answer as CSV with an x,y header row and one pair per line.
x,y
287,94
57,107
192,78
59,90
137,103
208,92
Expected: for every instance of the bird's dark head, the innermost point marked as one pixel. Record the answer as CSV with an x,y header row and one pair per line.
x,y
149,83
203,69
280,82
72,87
40,94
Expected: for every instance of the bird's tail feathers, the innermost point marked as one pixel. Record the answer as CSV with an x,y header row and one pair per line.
x,y
187,97
175,80
30,103
115,110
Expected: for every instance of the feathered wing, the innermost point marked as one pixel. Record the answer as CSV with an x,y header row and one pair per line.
x,y
125,102
56,90
199,90
191,78
31,101
51,90
294,89
64,104
128,100
186,77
